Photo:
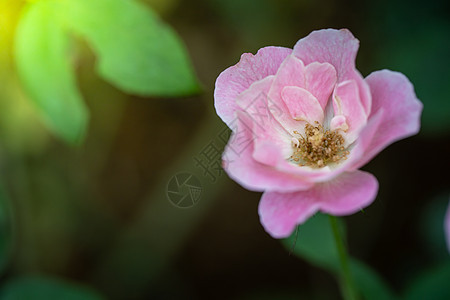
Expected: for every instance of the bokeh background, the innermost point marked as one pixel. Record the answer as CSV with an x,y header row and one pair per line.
x,y
95,218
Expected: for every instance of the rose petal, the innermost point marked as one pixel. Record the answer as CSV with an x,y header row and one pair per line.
x,y
281,212
278,160
347,194
266,152
394,94
317,175
241,166
239,77
265,129
364,140
255,102
338,48
290,73
346,102
320,81
339,122
302,105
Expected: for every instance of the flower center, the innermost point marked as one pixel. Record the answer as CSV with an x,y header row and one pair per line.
x,y
319,147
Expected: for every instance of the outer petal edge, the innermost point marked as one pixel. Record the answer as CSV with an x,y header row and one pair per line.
x,y
236,79
393,93
280,213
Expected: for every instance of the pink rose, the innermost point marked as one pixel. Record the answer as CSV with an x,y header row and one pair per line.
x,y
304,121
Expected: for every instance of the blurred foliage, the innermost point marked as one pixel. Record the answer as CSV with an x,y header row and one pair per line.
x,y
98,214
428,47
151,61
415,42
314,241
320,251
44,288
9,14
162,7
45,71
432,284
6,230
369,283
19,127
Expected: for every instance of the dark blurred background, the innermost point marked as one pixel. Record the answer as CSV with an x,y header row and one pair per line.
x,y
98,214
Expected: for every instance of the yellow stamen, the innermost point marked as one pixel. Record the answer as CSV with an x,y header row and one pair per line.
x,y
319,147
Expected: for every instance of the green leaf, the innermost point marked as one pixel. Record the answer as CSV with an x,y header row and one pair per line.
x,y
36,288
136,51
45,72
434,284
315,243
405,52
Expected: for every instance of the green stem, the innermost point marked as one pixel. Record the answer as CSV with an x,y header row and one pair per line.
x,y
349,291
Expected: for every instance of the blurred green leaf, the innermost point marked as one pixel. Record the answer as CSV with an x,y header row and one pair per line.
x,y
315,243
36,288
422,55
136,51
369,283
6,233
45,72
434,284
